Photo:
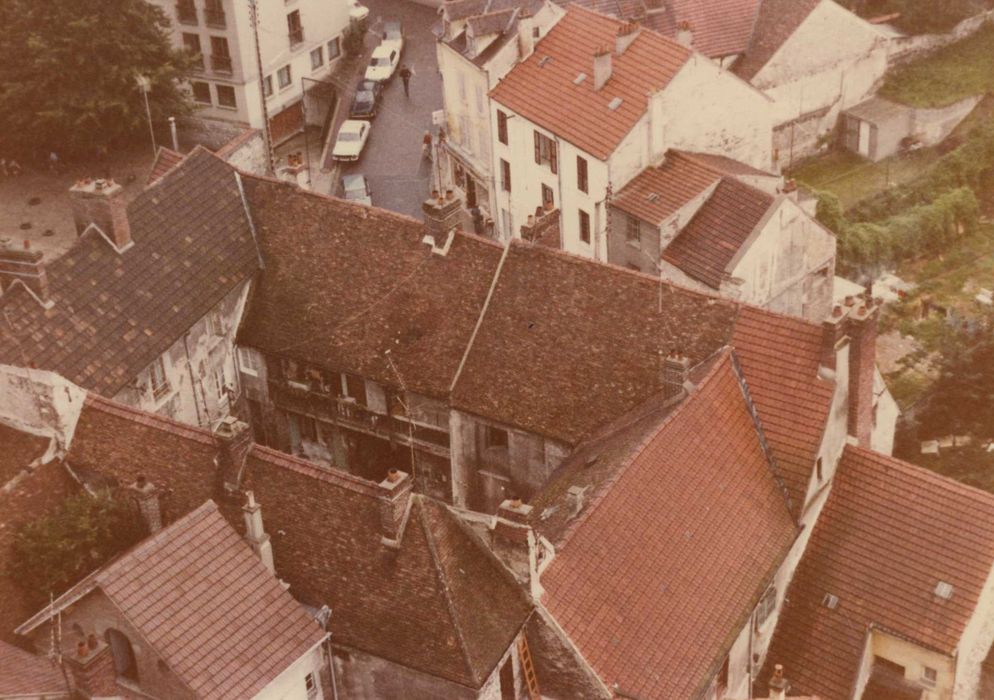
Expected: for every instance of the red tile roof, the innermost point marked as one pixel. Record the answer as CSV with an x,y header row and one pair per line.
x,y
720,27
165,160
889,533
631,592
657,193
780,357
213,601
24,675
713,237
542,87
775,24
440,604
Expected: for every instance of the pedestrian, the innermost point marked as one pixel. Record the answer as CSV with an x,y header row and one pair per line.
x,y
426,146
405,75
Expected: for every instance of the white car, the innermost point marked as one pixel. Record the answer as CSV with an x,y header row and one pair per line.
x,y
351,139
357,11
393,33
384,62
356,189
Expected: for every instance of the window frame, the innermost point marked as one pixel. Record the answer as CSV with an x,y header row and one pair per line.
x,y
582,175
289,76
546,151
633,230
548,196
247,361
267,86
234,97
584,226
160,388
319,51
502,126
929,676
337,43
505,175
207,86
766,607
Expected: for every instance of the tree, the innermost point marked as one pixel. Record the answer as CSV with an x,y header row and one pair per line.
x,y
53,553
68,74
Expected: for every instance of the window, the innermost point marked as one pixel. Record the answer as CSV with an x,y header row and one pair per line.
x,y
308,428
283,76
201,92
248,361
317,58
334,48
226,96
632,232
356,388
311,686
581,174
220,58
766,606
536,33
294,28
494,437
124,656
929,676
186,12
545,152
191,42
214,13
548,199
584,226
215,324
158,379
267,86
502,127
505,176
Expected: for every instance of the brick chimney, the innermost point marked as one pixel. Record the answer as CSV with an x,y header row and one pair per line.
x,y
24,265
92,669
685,34
101,202
627,33
442,217
515,543
255,533
395,503
833,330
234,441
146,495
862,368
676,370
602,67
778,684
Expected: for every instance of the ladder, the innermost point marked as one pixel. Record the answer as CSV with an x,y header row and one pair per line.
x,y
528,669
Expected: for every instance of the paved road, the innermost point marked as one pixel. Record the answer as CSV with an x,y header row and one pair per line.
x,y
398,176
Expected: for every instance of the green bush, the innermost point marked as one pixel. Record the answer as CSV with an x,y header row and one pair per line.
x,y
53,553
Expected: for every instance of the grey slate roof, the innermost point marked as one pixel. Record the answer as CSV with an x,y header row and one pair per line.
x,y
114,313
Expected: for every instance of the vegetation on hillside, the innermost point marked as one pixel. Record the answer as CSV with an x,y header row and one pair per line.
x,y
69,75
920,16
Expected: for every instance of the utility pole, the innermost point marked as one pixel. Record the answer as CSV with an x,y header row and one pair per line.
x,y
267,136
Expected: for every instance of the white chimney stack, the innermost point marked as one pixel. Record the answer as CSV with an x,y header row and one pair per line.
x,y
256,534
602,67
526,33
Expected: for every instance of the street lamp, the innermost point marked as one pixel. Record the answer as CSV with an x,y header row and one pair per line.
x,y
144,84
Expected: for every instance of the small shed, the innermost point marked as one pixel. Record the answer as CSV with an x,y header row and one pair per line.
x,y
875,128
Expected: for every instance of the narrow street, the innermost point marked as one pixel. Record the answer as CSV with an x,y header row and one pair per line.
x,y
392,162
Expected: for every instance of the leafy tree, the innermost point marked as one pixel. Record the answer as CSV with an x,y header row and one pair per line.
x,y
355,36
55,552
68,74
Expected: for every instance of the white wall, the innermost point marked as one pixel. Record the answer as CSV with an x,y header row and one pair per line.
x,y
975,644
41,403
291,684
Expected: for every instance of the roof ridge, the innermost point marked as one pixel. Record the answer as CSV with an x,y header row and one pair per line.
x,y
608,485
147,418
449,603
334,476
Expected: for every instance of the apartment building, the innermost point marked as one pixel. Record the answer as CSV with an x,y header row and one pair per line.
x,y
299,41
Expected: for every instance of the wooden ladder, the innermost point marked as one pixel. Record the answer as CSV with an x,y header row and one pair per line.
x,y
528,668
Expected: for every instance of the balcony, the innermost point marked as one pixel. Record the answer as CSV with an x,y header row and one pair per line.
x,y
296,36
186,12
214,16
221,64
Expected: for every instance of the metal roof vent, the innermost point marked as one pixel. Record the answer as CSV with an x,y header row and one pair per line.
x,y
944,590
830,601
580,78
653,197
615,103
542,61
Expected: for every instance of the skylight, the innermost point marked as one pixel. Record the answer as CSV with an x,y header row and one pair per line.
x,y
830,601
615,103
944,590
580,78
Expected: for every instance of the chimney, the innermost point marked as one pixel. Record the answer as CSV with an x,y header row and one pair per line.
x,y
685,34
778,684
442,217
255,533
147,497
101,202
862,368
602,67
526,35
676,369
92,669
24,265
832,332
395,505
234,441
515,544
627,33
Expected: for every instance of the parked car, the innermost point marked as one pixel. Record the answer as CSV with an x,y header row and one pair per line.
x,y
356,189
357,11
373,87
393,34
352,136
364,104
383,63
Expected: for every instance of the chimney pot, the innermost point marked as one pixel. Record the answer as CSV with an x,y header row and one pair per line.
x,y
396,495
676,369
81,650
393,476
255,532
101,202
